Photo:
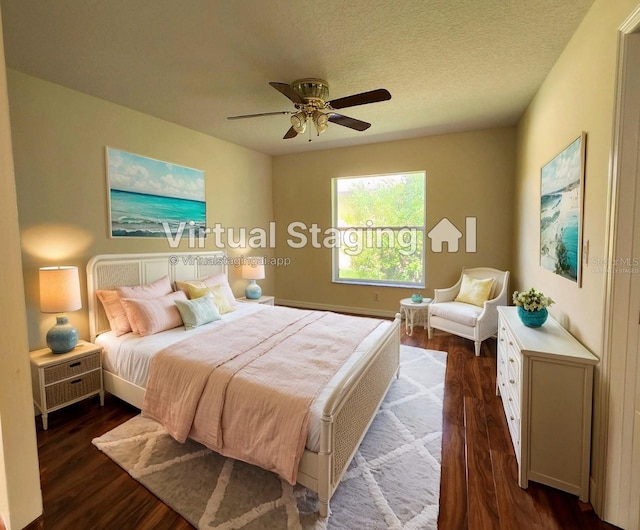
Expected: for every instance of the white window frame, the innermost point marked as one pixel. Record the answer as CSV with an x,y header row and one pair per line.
x,y
335,264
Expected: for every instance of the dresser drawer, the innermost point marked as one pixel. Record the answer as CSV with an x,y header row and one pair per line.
x,y
511,398
514,422
513,382
71,368
72,389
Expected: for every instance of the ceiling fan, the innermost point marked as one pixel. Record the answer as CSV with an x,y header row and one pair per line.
x,y
309,96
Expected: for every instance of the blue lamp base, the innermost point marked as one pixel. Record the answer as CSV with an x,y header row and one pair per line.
x,y
253,290
62,337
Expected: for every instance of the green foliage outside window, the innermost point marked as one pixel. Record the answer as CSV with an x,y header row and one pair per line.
x,y
382,219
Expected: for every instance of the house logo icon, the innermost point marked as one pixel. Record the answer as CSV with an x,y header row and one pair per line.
x,y
446,232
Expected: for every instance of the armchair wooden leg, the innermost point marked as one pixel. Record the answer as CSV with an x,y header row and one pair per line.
x,y
429,331
478,344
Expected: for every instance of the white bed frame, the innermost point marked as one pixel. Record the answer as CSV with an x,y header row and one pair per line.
x,y
349,410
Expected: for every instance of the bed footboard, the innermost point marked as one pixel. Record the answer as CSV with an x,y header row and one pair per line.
x,y
351,409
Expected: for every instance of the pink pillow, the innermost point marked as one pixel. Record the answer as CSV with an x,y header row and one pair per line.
x,y
152,315
116,314
151,290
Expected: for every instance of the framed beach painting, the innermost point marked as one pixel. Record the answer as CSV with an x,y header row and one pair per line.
x,y
151,198
561,200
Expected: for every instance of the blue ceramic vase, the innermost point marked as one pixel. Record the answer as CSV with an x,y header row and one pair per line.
x,y
62,337
533,319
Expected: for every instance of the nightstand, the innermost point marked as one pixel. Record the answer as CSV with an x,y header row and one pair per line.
x,y
60,379
265,300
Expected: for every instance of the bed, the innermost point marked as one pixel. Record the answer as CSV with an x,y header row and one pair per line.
x,y
344,409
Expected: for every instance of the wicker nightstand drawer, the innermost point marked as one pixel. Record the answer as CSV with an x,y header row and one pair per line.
x,y
71,368
61,379
72,389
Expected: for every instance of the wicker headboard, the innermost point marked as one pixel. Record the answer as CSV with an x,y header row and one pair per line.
x,y
108,271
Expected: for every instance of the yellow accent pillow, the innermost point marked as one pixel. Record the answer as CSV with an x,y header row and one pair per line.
x,y
198,289
474,291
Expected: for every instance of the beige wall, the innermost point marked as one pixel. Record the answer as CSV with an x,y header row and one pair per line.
x,y
59,139
468,175
577,95
20,496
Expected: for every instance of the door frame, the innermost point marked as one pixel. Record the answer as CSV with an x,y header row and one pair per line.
x,y
613,442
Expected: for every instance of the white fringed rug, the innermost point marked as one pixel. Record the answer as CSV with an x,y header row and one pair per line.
x,y
393,481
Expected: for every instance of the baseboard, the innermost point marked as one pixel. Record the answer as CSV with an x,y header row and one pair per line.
x,y
38,524
385,313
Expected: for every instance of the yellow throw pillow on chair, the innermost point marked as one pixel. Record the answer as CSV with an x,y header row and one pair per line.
x,y
474,291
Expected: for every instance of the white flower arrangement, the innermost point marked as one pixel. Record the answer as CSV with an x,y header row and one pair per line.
x,y
531,300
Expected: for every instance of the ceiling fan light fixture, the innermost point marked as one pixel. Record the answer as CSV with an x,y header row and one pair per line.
x,y
310,97
321,121
299,122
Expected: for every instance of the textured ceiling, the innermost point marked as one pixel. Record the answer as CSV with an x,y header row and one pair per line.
x,y
450,65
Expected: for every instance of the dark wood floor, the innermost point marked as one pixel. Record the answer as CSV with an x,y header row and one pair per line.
x,y
83,489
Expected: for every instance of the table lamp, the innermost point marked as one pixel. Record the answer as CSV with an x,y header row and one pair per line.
x,y
252,273
60,292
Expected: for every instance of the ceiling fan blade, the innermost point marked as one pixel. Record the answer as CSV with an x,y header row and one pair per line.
x,y
288,91
373,96
291,133
346,121
258,115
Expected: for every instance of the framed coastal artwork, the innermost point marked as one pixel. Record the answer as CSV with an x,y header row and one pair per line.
x,y
561,200
151,198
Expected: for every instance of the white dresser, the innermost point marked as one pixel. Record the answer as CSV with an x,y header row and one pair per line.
x,y
545,379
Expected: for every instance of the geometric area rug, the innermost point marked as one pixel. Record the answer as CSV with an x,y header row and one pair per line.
x,y
392,482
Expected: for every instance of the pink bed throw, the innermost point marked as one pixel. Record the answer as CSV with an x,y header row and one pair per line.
x,y
244,388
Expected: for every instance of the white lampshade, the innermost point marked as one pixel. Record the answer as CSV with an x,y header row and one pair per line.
x,y
59,289
253,272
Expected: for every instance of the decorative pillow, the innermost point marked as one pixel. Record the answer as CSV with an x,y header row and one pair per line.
x,y
155,289
221,300
182,286
115,311
221,280
152,315
198,312
474,291
198,289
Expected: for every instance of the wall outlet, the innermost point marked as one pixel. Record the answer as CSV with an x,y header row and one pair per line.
x,y
376,297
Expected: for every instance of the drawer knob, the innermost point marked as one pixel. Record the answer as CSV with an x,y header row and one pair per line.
x,y
75,381
510,399
512,418
511,360
73,365
510,343
512,381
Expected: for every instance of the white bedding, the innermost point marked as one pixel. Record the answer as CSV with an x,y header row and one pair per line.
x,y
129,356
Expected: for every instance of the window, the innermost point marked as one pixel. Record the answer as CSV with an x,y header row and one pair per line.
x,y
381,220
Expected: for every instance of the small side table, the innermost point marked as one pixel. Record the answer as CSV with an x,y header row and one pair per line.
x,y
60,379
264,300
412,311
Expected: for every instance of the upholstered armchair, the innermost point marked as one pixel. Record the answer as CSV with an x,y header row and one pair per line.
x,y
469,308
